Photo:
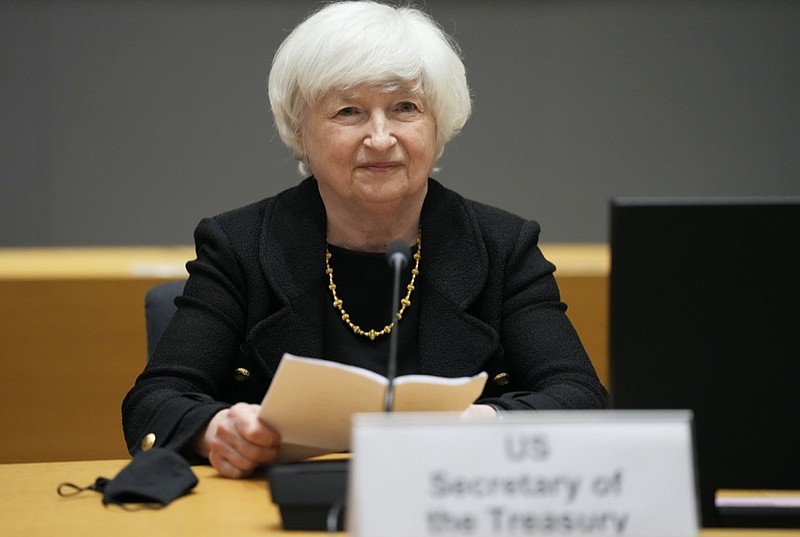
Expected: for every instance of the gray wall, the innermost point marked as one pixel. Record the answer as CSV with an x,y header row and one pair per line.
x,y
125,122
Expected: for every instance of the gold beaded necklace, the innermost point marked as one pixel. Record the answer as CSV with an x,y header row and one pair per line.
x,y
404,303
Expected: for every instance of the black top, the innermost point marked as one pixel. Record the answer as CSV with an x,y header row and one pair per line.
x,y
364,284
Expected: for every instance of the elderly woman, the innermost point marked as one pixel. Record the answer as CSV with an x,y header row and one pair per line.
x,y
367,96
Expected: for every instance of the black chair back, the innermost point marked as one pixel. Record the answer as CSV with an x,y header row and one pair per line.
x,y
159,307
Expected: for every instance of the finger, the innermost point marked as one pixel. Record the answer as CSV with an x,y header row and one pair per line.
x,y
239,454
255,452
251,428
256,433
225,467
240,450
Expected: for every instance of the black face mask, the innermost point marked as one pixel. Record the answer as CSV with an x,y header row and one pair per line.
x,y
155,477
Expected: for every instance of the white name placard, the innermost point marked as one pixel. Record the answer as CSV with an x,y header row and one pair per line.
x,y
555,473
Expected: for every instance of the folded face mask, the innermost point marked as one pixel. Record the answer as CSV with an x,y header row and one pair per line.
x,y
157,476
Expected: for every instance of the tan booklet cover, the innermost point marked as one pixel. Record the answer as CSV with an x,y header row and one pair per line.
x,y
310,402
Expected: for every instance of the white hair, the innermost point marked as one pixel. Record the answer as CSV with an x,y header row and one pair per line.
x,y
347,44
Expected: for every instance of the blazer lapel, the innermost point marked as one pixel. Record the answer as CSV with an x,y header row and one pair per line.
x,y
293,262
453,272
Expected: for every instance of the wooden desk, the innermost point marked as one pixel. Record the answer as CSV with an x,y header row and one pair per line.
x,y
30,507
72,338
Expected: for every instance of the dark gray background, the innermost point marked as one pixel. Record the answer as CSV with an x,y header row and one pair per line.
x,y
125,122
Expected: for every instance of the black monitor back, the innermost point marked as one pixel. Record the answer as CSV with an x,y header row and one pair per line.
x,y
705,315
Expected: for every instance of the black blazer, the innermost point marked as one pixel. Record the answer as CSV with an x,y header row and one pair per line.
x,y
258,289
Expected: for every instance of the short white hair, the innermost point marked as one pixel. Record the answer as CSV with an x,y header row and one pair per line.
x,y
347,44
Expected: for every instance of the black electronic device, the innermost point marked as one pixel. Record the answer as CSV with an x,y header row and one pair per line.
x,y
705,315
310,495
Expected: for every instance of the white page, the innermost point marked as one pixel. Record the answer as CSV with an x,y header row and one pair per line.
x,y
311,402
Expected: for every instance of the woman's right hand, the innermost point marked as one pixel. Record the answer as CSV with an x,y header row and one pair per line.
x,y
236,442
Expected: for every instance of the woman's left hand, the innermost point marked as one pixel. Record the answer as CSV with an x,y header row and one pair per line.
x,y
479,411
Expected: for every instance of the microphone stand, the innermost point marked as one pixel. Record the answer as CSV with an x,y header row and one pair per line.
x,y
397,254
311,494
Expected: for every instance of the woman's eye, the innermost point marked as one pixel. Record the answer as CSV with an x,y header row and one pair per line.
x,y
406,107
347,111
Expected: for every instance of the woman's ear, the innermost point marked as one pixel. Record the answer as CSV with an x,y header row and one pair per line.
x,y
299,145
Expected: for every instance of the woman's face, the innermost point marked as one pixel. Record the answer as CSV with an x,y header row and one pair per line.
x,y
369,145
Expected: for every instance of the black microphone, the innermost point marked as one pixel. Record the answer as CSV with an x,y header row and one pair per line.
x,y
397,254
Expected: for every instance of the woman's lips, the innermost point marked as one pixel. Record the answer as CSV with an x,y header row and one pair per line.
x,y
380,166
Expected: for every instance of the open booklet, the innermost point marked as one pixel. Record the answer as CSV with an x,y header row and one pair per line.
x,y
310,402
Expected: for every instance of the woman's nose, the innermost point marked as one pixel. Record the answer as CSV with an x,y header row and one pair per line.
x,y
380,135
